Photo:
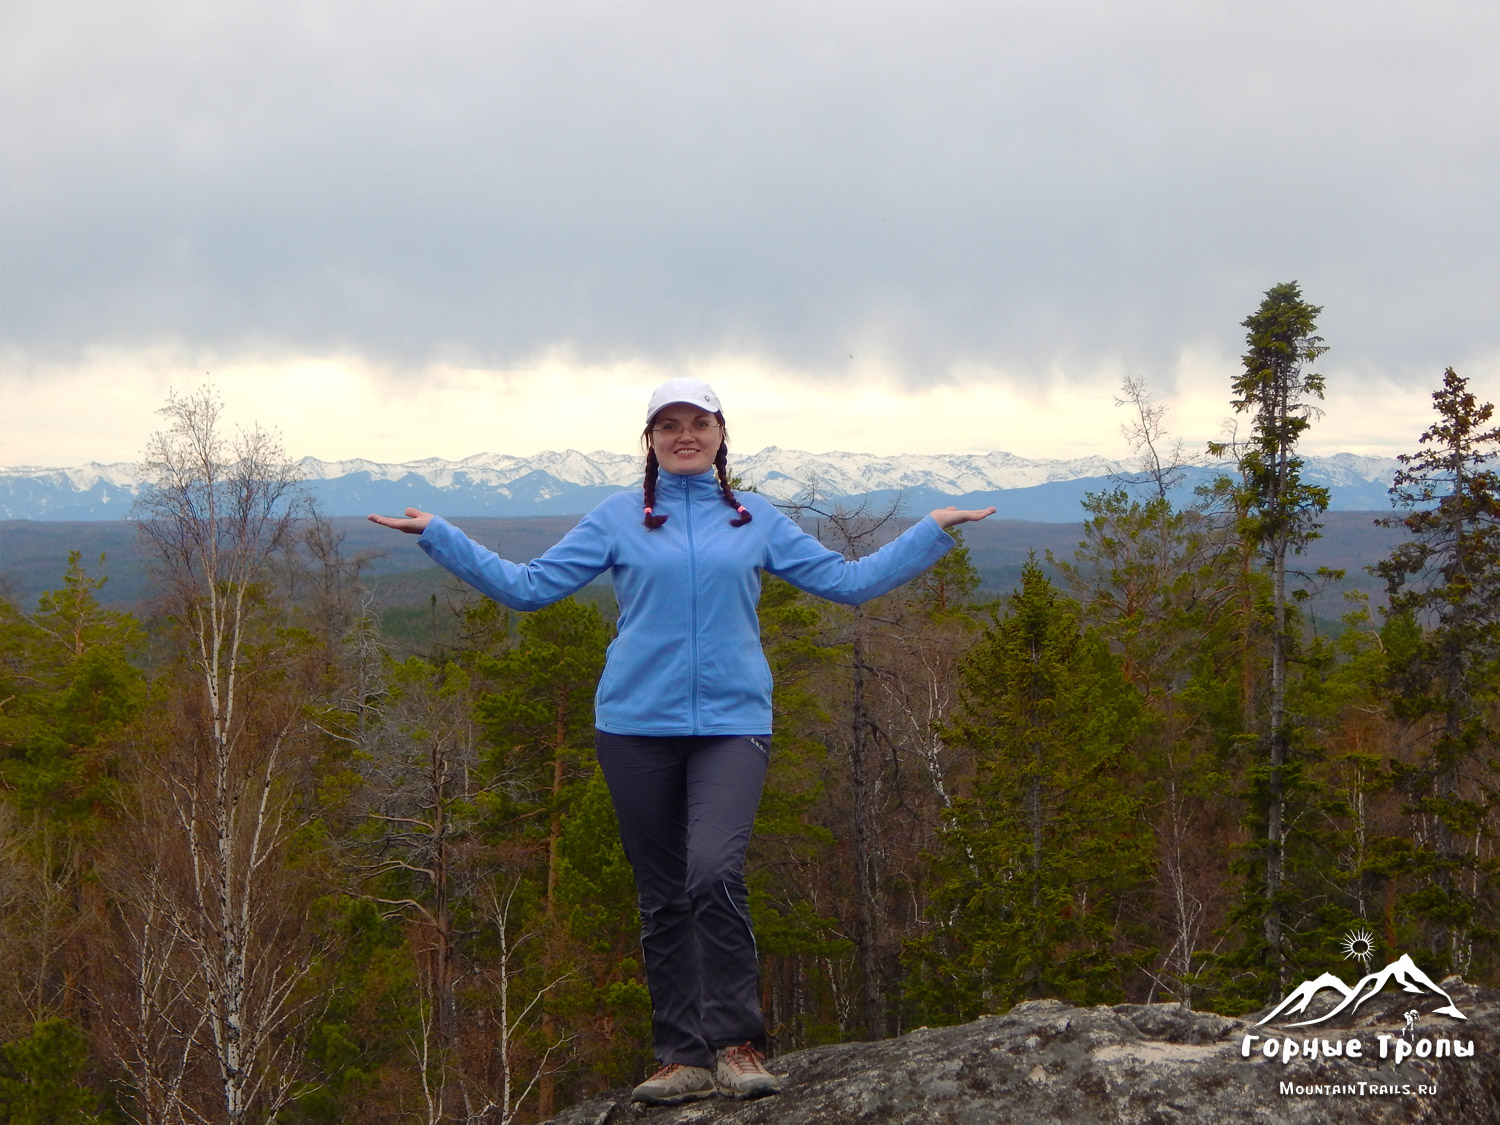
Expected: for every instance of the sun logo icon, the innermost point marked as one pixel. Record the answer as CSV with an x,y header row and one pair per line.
x,y
1359,945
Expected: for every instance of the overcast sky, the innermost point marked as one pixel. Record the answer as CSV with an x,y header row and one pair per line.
x,y
396,229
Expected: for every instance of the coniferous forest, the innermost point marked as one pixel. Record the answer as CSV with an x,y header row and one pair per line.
x,y
258,863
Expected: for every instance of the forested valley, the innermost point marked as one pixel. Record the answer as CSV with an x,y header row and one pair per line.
x,y
257,863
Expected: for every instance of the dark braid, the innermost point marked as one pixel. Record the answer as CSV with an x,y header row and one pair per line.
x,y
721,464
652,521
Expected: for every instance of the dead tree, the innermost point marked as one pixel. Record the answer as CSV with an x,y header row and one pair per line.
x,y
418,769
854,534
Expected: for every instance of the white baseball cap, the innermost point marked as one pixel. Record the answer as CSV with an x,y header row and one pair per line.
x,y
694,392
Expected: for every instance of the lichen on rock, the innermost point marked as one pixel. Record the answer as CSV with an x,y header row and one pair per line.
x,y
1048,1063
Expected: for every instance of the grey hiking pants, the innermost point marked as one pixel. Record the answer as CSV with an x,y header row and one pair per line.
x,y
686,806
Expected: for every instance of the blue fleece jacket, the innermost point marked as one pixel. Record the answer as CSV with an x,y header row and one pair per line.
x,y
687,658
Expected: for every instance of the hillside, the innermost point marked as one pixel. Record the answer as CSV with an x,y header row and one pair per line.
x,y
33,554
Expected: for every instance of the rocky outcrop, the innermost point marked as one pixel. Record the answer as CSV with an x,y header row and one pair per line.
x,y
1046,1063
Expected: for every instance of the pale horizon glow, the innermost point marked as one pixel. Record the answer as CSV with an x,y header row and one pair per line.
x,y
340,408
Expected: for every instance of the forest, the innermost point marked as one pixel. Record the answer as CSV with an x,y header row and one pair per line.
x,y
258,863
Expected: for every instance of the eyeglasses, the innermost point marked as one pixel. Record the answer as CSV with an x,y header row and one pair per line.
x,y
697,426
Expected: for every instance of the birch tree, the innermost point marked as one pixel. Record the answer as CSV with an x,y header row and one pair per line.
x,y
218,512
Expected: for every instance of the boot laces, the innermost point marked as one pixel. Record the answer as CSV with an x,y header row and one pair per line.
x,y
745,1059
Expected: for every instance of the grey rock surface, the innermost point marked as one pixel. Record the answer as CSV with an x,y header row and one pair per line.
x,y
1047,1063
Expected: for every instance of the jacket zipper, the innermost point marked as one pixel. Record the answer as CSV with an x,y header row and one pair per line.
x,y
687,508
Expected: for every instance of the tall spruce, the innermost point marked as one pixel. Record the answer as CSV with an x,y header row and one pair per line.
x,y
1045,849
1444,621
1280,517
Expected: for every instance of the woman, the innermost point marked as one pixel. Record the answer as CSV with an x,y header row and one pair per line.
x,y
683,709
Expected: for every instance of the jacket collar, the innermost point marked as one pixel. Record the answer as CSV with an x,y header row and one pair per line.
x,y
706,481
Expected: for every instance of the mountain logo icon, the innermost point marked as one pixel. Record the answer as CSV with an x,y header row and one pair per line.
x,y
1403,971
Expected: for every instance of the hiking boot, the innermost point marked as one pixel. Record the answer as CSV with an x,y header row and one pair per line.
x,y
741,1073
674,1084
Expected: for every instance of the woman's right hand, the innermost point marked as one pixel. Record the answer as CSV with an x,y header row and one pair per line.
x,y
415,523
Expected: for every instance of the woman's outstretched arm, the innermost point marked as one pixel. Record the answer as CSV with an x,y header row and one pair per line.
x,y
568,565
793,554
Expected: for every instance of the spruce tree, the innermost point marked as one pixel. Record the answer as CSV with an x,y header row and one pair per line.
x,y
1280,513
1443,650
1049,842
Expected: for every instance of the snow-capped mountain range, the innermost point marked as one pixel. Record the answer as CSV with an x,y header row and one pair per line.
x,y
1402,971
569,482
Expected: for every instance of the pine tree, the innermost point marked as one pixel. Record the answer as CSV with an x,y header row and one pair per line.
x,y
604,1002
41,1078
66,684
69,693
540,723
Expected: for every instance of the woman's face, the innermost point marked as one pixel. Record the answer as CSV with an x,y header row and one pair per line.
x,y
683,443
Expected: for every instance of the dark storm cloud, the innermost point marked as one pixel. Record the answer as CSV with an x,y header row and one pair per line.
x,y
1021,184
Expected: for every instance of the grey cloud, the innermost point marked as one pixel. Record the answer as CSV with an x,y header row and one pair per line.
x,y
1022,184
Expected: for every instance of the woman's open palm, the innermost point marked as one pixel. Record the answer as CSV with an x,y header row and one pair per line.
x,y
949,516
415,523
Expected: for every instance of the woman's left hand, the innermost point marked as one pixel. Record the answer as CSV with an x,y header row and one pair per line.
x,y
949,516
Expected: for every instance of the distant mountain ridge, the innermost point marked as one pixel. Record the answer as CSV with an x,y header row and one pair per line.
x,y
570,482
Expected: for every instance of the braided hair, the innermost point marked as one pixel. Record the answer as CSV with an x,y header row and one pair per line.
x,y
649,487
721,468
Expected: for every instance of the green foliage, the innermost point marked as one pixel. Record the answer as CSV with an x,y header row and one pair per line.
x,y
596,906
68,685
596,890
360,1039
1443,663
1276,387
540,714
1276,512
1447,575
1162,586
41,1078
1038,859
1158,583
948,586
